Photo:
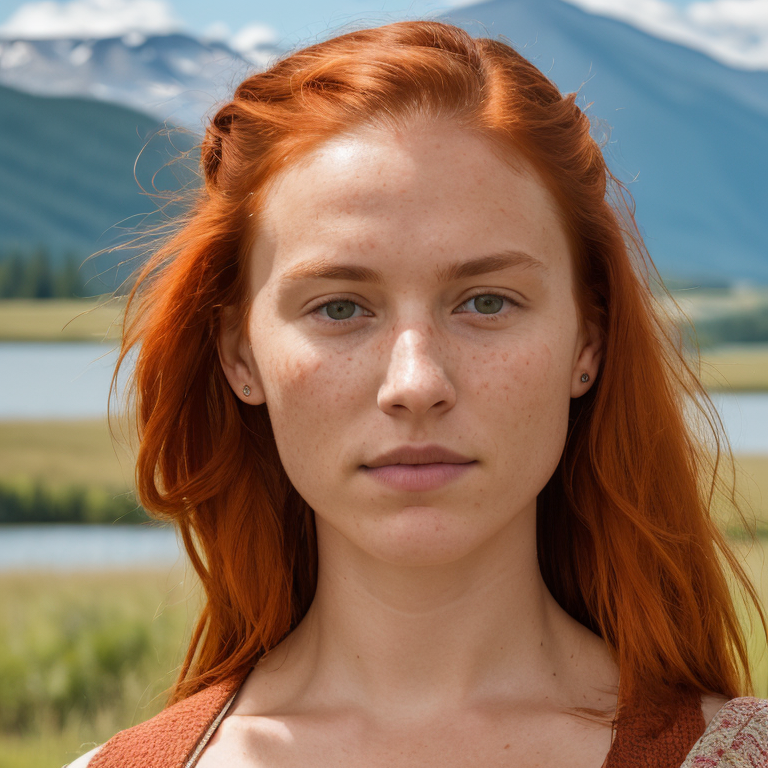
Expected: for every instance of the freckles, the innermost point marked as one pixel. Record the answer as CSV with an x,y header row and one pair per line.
x,y
296,370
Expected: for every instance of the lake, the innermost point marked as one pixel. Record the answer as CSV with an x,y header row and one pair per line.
x,y
71,380
87,547
67,381
55,381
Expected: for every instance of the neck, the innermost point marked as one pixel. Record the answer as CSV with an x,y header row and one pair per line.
x,y
423,637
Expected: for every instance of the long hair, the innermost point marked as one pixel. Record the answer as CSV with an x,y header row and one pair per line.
x,y
627,542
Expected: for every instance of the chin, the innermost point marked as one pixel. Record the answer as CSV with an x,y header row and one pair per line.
x,y
421,536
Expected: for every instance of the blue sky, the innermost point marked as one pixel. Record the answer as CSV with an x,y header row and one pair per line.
x,y
734,31
291,19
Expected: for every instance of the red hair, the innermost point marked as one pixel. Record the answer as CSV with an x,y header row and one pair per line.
x,y
626,540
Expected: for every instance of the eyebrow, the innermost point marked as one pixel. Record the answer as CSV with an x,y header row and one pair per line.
x,y
494,262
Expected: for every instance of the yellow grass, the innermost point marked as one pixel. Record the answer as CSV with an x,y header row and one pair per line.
x,y
60,319
39,612
735,368
64,453
752,557
731,368
82,452
34,608
752,483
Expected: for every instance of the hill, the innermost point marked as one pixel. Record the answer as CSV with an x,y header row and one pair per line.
x,y
67,172
688,133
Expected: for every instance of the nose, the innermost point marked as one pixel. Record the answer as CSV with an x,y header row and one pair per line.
x,y
416,380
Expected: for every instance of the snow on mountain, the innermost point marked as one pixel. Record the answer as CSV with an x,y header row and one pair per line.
x,y
137,52
173,77
688,130
130,52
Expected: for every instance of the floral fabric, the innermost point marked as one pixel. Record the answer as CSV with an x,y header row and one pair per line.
x,y
737,737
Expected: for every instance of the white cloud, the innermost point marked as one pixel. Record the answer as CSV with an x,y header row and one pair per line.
x,y
218,31
732,31
253,42
252,36
50,19
740,15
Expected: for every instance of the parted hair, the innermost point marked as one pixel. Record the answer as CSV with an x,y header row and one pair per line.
x,y
627,540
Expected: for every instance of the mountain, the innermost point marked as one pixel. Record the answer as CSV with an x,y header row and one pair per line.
x,y
67,174
173,77
688,134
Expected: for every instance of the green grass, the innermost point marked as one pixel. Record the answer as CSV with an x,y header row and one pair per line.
x,y
71,642
65,471
60,319
85,655
753,557
36,502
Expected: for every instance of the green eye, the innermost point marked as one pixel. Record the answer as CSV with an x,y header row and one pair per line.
x,y
488,304
340,310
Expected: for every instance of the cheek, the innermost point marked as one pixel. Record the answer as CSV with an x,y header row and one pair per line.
x,y
525,400
310,393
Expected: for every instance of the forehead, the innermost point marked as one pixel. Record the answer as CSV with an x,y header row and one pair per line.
x,y
433,189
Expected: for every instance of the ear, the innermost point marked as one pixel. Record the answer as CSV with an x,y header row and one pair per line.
x,y
588,359
237,360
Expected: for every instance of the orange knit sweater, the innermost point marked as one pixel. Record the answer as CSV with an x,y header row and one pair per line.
x,y
169,739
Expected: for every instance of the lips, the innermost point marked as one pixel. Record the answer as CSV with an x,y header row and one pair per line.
x,y
412,454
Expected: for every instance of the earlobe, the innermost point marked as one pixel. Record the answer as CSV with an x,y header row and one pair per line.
x,y
237,360
587,364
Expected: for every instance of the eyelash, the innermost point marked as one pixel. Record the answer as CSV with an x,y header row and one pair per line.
x,y
316,310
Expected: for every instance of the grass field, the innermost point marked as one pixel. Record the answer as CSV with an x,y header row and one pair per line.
x,y
736,368
60,319
64,453
65,471
77,453
754,558
731,368
82,656
74,640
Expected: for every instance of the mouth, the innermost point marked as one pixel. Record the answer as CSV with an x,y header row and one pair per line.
x,y
417,455
418,468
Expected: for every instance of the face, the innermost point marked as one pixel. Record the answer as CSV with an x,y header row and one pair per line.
x,y
414,334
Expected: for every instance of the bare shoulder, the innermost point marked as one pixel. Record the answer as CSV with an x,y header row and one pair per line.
x,y
83,760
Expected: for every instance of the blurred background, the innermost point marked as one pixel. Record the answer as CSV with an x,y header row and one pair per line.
x,y
98,101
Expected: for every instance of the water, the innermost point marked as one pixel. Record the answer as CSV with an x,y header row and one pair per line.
x,y
55,381
87,547
67,381
745,417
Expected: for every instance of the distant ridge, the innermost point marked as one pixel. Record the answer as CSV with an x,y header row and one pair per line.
x,y
67,172
692,130
173,76
689,134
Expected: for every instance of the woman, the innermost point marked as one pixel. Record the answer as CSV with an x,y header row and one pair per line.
x,y
401,385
